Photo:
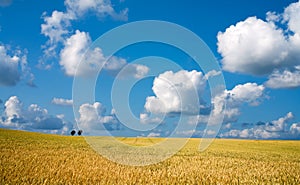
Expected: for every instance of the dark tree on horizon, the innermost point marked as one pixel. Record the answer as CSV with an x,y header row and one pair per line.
x,y
73,132
79,132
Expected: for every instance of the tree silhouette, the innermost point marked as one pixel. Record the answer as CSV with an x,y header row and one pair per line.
x,y
79,132
73,132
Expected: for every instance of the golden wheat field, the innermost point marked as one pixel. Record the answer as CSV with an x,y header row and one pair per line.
x,y
34,158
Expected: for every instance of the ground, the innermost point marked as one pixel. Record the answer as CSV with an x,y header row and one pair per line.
x,y
35,158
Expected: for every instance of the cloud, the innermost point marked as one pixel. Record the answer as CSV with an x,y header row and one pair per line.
x,y
210,132
292,17
231,133
57,26
252,133
9,68
272,17
13,109
249,93
35,112
32,118
153,134
92,118
261,130
146,119
73,52
136,70
14,68
76,60
115,64
176,92
102,9
285,79
119,67
295,129
278,125
253,47
62,102
259,47
227,126
212,73
193,133
51,123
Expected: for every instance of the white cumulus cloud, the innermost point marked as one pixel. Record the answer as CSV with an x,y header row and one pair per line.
x,y
176,92
73,52
101,8
61,101
14,67
285,79
55,27
245,93
153,134
249,93
292,17
13,109
268,47
92,117
58,26
251,133
274,129
77,60
146,119
9,72
119,66
295,129
32,118
278,125
136,70
35,112
252,46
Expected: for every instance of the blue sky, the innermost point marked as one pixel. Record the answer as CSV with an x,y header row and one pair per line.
x,y
256,44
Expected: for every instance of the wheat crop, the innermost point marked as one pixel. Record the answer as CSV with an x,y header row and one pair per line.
x,y
34,158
